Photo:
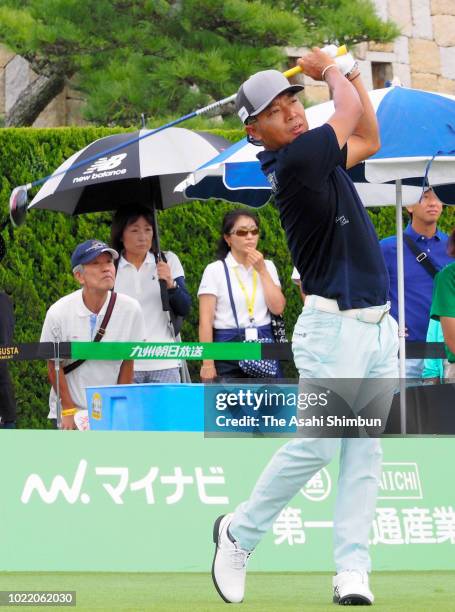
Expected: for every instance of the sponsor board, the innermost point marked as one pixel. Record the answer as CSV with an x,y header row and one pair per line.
x,y
153,497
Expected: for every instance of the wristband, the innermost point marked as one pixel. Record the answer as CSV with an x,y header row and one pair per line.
x,y
325,70
69,412
354,77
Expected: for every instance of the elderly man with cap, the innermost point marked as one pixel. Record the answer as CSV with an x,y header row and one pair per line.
x,y
92,312
344,330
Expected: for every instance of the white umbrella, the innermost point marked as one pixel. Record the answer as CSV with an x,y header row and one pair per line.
x,y
235,174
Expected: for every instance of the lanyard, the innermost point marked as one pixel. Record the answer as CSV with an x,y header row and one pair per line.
x,y
250,301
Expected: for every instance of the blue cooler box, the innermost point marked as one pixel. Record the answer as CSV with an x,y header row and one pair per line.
x,y
148,407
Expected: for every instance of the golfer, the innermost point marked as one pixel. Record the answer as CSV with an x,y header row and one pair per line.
x,y
344,330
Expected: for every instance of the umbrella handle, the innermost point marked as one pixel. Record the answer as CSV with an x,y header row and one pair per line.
x,y
164,295
342,50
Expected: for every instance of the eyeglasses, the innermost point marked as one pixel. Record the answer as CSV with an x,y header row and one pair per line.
x,y
242,232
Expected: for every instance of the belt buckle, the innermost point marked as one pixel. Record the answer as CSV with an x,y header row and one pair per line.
x,y
382,316
384,312
367,319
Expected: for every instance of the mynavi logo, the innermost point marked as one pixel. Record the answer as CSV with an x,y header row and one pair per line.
x,y
104,167
72,493
166,486
400,481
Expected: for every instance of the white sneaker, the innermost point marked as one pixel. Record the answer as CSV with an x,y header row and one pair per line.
x,y
229,562
350,588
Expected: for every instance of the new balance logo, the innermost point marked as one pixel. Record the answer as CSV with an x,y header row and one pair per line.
x,y
106,163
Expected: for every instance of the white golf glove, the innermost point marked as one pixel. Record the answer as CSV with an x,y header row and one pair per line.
x,y
331,50
346,63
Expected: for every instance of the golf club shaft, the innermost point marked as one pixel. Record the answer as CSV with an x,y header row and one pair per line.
x,y
342,50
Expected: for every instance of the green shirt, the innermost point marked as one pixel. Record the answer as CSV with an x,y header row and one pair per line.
x,y
443,304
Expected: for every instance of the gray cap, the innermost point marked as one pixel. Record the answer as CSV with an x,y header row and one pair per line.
x,y
257,92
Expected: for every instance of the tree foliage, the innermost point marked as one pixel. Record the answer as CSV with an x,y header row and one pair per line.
x,y
166,58
339,21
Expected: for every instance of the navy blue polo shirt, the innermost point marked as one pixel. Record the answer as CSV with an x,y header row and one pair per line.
x,y
332,241
418,284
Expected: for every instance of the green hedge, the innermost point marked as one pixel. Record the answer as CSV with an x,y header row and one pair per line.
x,y
36,270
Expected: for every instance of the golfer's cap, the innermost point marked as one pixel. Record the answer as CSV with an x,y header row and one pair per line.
x,y
89,250
257,92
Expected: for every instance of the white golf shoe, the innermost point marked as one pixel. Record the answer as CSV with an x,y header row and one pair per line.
x,y
351,588
229,562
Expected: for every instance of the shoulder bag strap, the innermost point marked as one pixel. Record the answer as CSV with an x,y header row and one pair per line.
x,y
421,256
99,334
231,297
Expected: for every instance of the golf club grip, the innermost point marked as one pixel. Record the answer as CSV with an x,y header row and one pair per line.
x,y
342,50
164,295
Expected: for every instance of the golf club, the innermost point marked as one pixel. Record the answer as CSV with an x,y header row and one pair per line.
x,y
19,197
17,211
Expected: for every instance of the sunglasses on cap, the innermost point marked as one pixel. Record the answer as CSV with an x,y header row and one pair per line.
x,y
243,231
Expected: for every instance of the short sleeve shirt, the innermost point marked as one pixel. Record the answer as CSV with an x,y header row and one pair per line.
x,y
332,241
443,304
143,285
214,282
418,283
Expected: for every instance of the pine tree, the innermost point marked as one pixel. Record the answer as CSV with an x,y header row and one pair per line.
x,y
160,57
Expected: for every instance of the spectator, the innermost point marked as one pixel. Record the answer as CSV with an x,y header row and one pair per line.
x,y
424,244
7,398
79,316
138,273
256,292
433,369
443,306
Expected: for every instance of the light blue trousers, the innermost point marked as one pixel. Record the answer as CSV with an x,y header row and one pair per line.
x,y
328,346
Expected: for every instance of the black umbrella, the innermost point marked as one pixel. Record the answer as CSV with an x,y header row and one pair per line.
x,y
144,171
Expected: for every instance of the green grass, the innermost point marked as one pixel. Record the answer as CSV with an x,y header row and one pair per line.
x,y
290,592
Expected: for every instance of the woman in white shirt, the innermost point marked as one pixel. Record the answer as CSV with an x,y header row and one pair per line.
x,y
256,292
138,273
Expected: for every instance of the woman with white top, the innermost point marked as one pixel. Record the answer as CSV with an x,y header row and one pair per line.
x,y
138,273
256,292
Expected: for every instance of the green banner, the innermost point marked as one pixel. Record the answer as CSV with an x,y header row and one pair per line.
x,y
166,350
146,501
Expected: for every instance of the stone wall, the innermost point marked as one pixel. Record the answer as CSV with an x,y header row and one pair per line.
x,y
16,74
423,57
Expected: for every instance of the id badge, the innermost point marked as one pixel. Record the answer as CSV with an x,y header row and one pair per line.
x,y
251,333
